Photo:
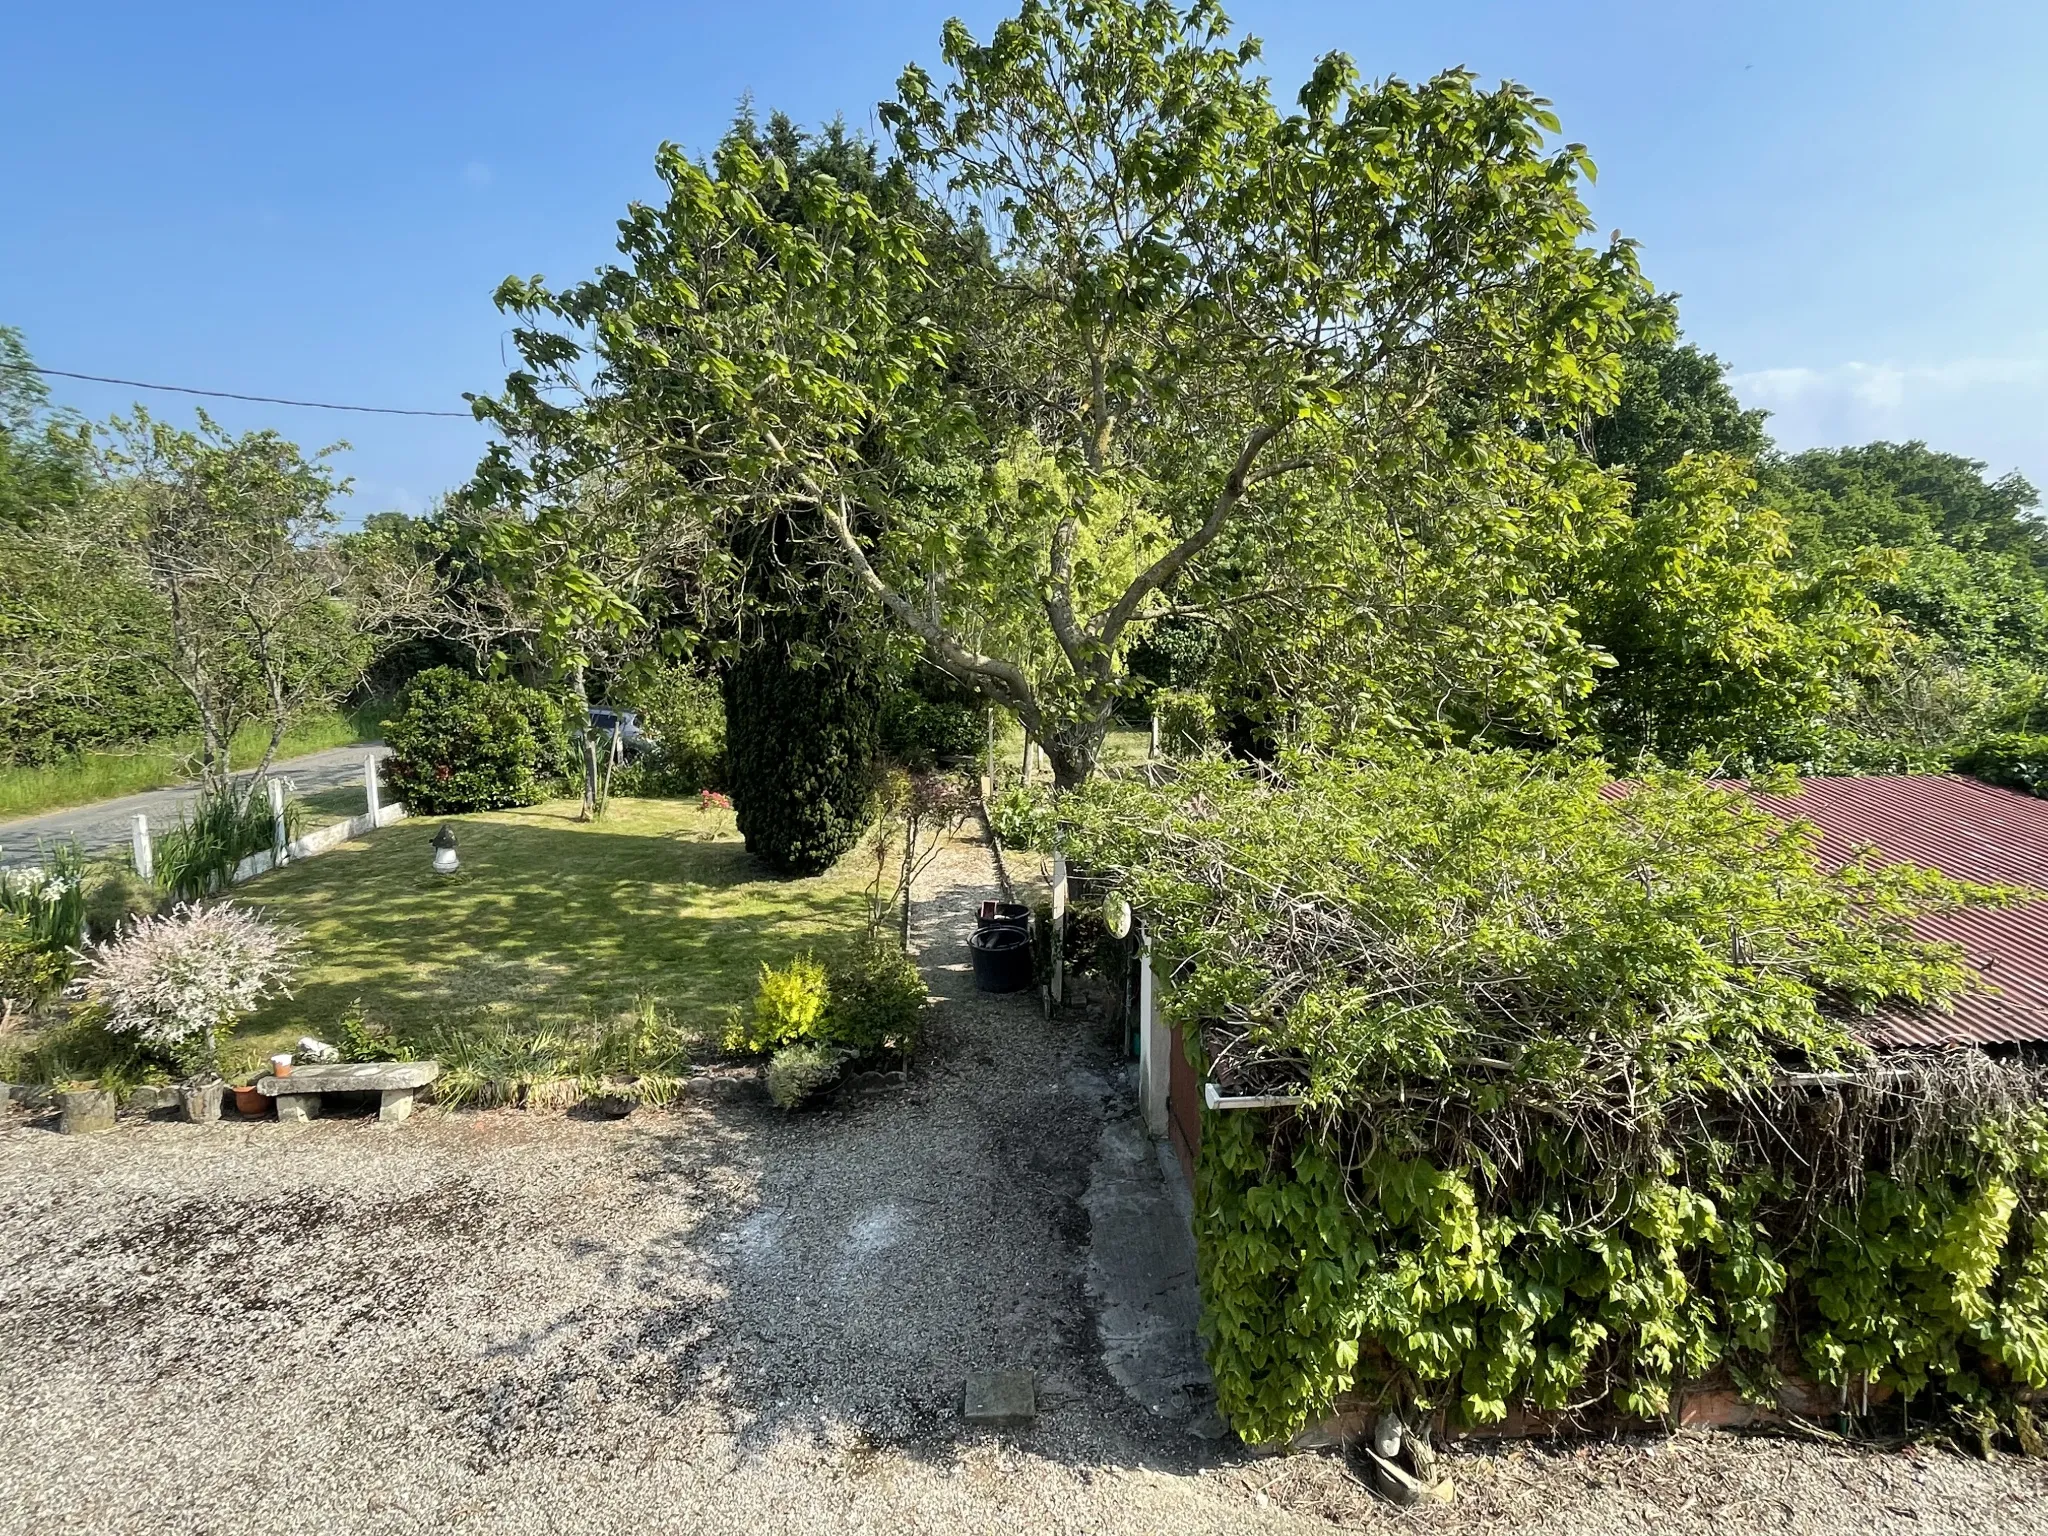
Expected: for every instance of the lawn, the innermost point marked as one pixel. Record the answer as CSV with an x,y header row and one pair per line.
x,y
550,922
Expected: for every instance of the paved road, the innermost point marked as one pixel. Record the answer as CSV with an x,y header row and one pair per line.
x,y
108,824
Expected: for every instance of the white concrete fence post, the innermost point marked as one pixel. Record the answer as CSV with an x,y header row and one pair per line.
x,y
370,804
1059,927
1154,1043
1155,736
277,837
145,851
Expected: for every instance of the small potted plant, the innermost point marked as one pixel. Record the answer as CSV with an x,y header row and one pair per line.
x,y
249,1099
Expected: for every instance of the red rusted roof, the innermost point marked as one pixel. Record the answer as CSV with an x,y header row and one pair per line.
x,y
1970,831
1965,829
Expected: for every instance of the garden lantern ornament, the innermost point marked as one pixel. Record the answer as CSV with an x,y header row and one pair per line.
x,y
445,861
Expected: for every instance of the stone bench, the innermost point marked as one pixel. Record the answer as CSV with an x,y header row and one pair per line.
x,y
394,1083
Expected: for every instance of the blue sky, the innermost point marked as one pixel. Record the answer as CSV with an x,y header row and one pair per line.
x,y
317,201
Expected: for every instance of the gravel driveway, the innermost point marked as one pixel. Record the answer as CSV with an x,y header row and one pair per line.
x,y
716,1319
109,823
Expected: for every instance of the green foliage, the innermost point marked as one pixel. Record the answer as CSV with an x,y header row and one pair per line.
x,y
204,564
921,733
2017,760
871,1001
362,1038
1718,642
788,1007
1545,1157
1025,816
1027,422
460,743
1674,400
877,1001
50,899
684,711
1173,653
29,970
219,830
1187,721
801,707
129,702
1967,574
799,1072
44,467
639,1055
79,1048
110,773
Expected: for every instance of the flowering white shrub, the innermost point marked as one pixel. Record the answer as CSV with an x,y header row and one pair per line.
x,y
182,980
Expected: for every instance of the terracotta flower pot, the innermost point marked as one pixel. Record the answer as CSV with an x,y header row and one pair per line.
x,y
250,1100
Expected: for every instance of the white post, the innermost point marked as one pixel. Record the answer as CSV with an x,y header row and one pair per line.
x,y
1059,927
1153,1045
370,805
277,817
145,851
1155,735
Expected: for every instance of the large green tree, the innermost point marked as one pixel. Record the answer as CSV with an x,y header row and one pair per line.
x,y
209,560
43,461
1212,339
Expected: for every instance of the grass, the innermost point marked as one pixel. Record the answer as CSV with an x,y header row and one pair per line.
x,y
107,775
551,925
1121,747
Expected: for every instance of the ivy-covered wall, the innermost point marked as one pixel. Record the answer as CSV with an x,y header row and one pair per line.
x,y
1585,1118
1327,1272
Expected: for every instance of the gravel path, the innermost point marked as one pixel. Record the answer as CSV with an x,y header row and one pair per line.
x,y
718,1319
109,823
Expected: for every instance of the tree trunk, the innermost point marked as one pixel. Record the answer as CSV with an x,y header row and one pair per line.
x,y
1074,749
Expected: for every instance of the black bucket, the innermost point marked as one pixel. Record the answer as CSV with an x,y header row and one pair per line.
x,y
1002,958
1003,914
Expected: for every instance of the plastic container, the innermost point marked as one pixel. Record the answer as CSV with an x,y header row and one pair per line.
x,y
1002,958
1003,914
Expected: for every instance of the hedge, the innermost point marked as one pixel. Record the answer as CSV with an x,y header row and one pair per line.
x,y
461,743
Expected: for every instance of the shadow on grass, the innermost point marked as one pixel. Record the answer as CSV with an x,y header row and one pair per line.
x,y
324,807
548,920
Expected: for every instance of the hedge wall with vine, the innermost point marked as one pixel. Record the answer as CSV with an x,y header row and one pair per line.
x,y
1583,1118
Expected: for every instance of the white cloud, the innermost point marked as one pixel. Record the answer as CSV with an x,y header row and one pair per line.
x,y
1990,408
477,174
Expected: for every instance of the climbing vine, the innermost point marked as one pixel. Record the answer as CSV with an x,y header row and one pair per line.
x,y
1584,1118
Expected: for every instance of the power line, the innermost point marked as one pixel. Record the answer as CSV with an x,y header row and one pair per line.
x,y
222,394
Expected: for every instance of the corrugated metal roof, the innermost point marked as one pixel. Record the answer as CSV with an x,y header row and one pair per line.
x,y
1969,831
1966,829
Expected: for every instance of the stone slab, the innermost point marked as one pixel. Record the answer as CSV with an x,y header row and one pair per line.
x,y
1001,1399
350,1077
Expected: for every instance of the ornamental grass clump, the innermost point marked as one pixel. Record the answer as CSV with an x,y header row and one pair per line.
x,y
1584,1116
177,984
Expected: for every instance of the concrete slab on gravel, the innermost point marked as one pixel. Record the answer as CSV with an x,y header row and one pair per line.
x,y
1001,1399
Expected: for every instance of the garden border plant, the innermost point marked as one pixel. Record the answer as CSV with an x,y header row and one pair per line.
x,y
1583,1119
